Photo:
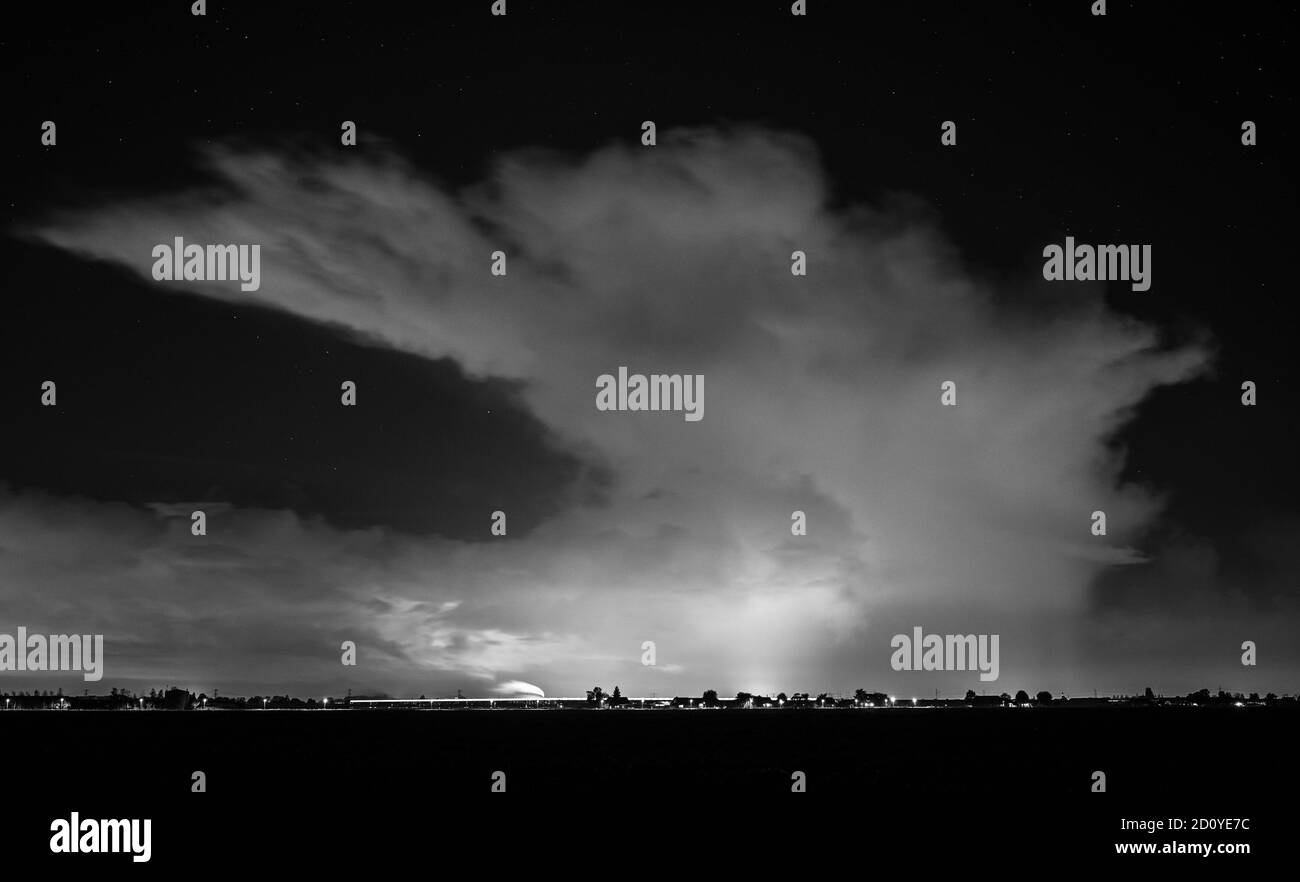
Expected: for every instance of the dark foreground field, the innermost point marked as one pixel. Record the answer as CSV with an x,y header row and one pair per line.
x,y
305,784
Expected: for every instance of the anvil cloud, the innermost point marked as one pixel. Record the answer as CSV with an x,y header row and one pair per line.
x,y
823,397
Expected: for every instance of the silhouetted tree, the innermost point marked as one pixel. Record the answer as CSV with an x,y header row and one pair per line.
x,y
1044,697
781,697
1022,697
710,697
970,696
1150,696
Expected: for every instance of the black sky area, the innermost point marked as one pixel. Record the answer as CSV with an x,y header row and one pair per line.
x,y
1124,128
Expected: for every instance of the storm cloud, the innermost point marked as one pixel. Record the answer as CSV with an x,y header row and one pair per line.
x,y
823,395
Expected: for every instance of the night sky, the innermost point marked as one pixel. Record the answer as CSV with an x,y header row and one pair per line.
x,y
475,394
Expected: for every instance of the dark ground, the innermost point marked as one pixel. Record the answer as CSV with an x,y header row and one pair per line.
x,y
302,785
